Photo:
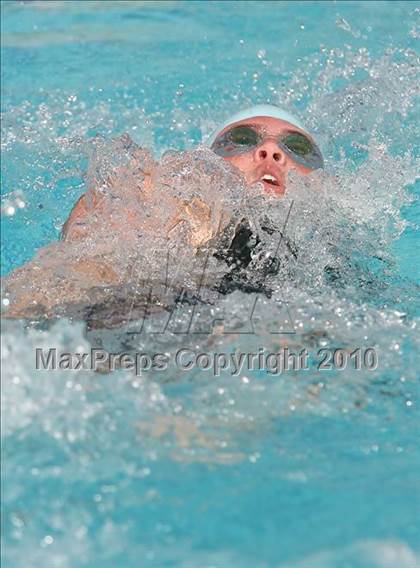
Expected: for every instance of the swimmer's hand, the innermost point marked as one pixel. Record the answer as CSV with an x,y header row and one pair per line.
x,y
199,220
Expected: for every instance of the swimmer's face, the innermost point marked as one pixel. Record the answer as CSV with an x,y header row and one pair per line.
x,y
265,149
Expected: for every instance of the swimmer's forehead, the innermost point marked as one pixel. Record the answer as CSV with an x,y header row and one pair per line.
x,y
267,124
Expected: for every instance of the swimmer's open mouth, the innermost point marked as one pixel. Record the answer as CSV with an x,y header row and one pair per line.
x,y
267,178
272,180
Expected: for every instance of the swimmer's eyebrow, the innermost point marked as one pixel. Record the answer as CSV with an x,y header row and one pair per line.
x,y
290,131
252,125
249,125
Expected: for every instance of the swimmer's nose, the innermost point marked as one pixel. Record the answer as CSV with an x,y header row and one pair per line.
x,y
269,151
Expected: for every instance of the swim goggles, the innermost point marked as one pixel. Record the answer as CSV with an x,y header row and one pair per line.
x,y
241,139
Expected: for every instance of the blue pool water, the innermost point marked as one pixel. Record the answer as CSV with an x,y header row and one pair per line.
x,y
183,469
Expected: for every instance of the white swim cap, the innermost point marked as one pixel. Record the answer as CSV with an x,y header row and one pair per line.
x,y
257,110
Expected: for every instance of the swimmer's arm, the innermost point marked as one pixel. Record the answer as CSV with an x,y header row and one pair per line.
x,y
48,286
122,183
199,222
56,282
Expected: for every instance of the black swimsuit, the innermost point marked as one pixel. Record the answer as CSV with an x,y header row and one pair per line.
x,y
249,265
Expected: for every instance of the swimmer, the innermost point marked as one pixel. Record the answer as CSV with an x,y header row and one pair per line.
x,y
263,144
266,143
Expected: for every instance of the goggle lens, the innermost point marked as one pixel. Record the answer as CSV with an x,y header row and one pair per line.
x,y
238,140
302,150
242,139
